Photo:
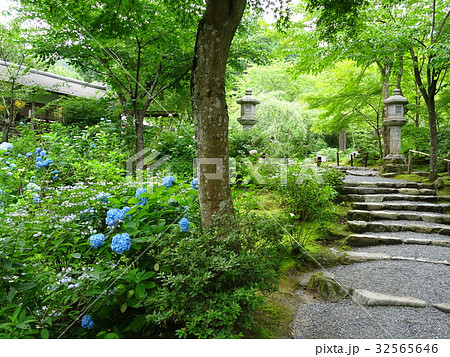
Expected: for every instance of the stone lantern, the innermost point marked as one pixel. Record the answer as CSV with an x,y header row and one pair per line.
x,y
248,110
395,106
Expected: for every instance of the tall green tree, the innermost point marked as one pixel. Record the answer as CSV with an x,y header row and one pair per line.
x,y
14,65
215,33
139,47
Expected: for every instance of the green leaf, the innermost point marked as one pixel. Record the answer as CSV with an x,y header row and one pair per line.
x,y
140,291
25,286
76,255
124,307
45,334
11,294
149,274
112,336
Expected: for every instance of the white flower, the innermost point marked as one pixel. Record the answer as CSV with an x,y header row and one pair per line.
x,y
253,152
5,146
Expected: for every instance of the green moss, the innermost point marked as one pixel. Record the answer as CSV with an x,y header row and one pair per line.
x,y
411,178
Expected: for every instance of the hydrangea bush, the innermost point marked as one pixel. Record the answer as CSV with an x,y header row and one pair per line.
x,y
86,253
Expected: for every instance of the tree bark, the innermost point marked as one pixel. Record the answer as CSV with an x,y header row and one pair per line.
x,y
214,35
433,138
5,133
385,74
139,127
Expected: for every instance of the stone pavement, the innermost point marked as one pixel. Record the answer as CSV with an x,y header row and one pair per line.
x,y
397,281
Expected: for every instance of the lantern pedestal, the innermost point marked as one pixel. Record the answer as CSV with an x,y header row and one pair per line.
x,y
395,161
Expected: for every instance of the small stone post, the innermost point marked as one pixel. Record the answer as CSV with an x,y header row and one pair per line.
x,y
395,161
248,110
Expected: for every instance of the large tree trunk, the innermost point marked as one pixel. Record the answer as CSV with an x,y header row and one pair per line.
x,y
215,33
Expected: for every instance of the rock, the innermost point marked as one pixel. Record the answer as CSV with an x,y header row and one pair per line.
x,y
441,243
363,240
417,241
328,288
369,298
442,307
438,184
358,257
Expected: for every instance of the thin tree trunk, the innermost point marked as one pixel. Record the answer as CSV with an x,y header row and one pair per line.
x,y
433,138
215,33
5,133
139,127
385,74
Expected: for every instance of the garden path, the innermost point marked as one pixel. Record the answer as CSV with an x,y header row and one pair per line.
x,y
398,278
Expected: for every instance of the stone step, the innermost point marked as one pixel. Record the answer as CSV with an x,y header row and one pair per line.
x,y
389,184
387,191
399,226
396,197
386,238
362,257
371,298
363,215
402,206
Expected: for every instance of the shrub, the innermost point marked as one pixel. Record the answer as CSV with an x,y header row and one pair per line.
x,y
306,194
209,283
83,111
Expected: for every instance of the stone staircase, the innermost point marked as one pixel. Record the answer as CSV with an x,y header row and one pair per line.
x,y
388,212
398,272
381,207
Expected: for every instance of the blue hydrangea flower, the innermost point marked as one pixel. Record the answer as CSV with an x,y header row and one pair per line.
x,y
168,181
43,153
87,322
184,224
1,192
96,240
44,163
121,243
194,184
143,200
55,172
37,151
19,155
5,146
114,216
103,197
93,146
36,198
29,154
21,123
55,177
33,187
39,159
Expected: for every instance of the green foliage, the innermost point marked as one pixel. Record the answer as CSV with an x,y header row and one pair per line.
x,y
82,111
168,284
180,146
210,285
307,195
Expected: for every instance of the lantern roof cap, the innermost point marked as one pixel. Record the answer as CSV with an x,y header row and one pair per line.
x,y
396,97
248,98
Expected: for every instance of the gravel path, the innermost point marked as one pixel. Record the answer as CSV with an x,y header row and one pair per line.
x,y
429,282
410,251
348,320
